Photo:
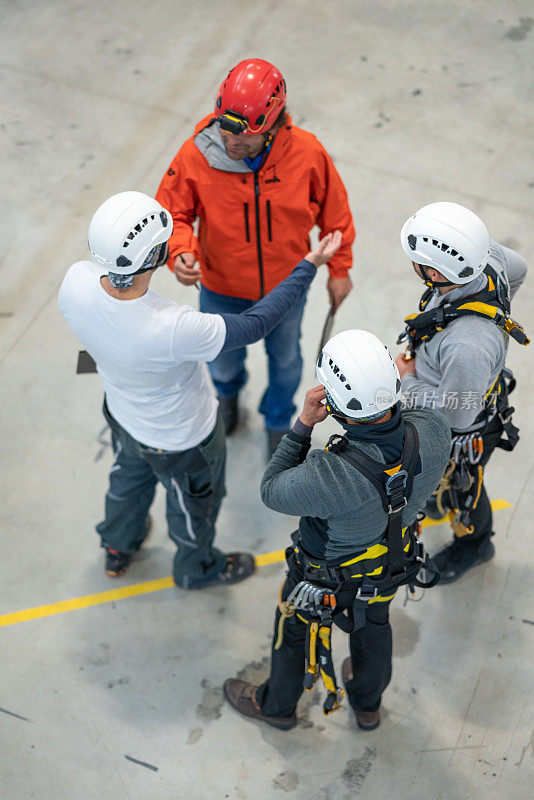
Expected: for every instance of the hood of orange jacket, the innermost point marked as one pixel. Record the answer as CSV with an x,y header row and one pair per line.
x,y
253,227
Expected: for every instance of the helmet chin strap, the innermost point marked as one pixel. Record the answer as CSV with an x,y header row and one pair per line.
x,y
433,284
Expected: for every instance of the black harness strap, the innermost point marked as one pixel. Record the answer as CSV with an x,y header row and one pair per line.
x,y
492,303
404,557
394,484
506,385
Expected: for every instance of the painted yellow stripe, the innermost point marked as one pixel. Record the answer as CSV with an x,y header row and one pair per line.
x,y
88,600
136,589
270,558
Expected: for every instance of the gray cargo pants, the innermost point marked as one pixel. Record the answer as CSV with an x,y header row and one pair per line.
x,y
194,480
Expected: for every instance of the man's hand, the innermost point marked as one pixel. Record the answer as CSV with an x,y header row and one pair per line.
x,y
184,269
327,247
314,410
338,289
405,367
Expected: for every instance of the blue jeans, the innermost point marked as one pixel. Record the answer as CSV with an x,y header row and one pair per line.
x,y
282,346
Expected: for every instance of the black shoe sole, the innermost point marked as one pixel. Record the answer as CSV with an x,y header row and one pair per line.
x,y
367,727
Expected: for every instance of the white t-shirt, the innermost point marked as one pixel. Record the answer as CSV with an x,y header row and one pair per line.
x,y
149,353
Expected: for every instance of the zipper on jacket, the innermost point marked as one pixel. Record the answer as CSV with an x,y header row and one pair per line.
x,y
247,228
258,234
269,231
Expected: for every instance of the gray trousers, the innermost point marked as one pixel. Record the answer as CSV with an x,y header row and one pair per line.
x,y
194,481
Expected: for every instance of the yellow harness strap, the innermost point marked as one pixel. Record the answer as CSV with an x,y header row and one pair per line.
x,y
311,673
480,478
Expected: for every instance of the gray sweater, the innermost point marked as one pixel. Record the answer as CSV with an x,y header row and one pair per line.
x,y
456,368
321,484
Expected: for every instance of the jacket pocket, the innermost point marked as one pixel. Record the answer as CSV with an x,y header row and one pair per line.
x,y
269,229
247,226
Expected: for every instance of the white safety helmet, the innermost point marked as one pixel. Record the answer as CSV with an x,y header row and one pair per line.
x,y
449,238
125,230
360,377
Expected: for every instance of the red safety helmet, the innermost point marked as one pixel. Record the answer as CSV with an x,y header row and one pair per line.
x,y
251,97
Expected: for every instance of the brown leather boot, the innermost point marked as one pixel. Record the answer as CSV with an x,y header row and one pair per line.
x,y
367,720
242,696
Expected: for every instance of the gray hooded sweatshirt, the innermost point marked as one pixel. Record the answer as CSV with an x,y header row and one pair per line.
x,y
457,367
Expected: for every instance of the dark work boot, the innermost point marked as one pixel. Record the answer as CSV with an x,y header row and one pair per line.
x,y
273,440
455,559
366,720
230,413
242,696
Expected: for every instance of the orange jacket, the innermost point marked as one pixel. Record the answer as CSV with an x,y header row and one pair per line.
x,y
254,227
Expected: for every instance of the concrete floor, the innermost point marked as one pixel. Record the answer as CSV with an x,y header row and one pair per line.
x,y
416,101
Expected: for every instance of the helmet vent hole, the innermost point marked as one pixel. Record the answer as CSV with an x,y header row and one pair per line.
x,y
348,387
445,248
354,405
465,272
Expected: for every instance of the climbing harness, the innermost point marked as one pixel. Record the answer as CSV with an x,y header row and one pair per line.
x,y
316,604
491,303
464,475
463,478
371,576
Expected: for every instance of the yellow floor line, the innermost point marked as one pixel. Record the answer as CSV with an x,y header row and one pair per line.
x,y
270,558
88,600
146,587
